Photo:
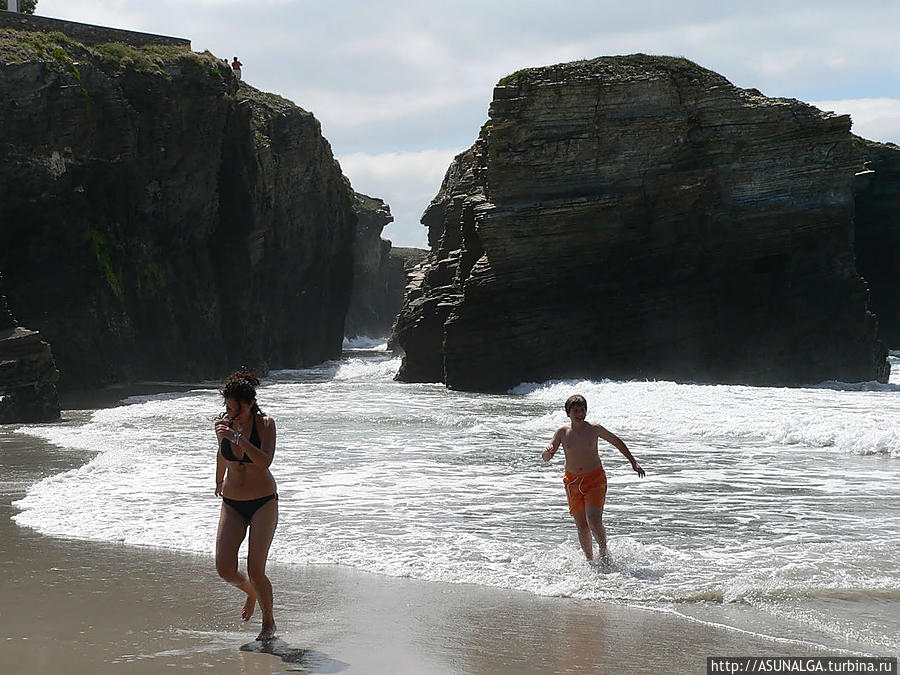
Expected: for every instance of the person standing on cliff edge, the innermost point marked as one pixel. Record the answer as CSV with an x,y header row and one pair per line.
x,y
236,67
584,478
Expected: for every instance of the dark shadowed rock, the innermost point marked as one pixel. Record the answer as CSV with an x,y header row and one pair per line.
x,y
28,373
641,217
379,271
162,220
878,235
366,313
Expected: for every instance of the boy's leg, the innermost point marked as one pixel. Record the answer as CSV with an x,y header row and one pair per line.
x,y
584,534
594,517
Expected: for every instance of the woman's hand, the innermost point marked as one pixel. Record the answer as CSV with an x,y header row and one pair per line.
x,y
223,428
220,485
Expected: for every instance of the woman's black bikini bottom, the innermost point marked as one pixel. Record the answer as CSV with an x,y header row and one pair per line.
x,y
247,507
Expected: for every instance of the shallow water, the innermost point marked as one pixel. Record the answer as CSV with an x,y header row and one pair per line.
x,y
773,510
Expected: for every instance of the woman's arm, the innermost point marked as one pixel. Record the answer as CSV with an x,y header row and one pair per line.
x,y
220,473
264,454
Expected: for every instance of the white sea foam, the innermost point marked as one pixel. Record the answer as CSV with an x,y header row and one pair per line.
x,y
780,500
844,418
366,344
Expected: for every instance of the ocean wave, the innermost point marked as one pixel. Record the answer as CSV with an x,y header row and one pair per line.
x,y
850,419
364,343
368,369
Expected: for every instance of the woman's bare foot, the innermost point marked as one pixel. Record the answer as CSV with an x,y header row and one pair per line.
x,y
249,606
267,632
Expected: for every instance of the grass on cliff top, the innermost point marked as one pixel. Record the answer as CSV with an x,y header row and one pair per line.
x,y
145,59
605,66
22,46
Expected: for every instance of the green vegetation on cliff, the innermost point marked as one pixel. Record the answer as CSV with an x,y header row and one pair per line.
x,y
612,67
55,48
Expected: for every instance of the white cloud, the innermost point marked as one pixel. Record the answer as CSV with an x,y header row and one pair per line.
x,y
407,181
877,119
351,108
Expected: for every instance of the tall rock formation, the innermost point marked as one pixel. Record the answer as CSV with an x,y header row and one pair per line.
x,y
28,373
641,217
159,219
366,313
878,235
379,271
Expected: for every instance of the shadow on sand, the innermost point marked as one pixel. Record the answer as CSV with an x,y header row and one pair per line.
x,y
309,660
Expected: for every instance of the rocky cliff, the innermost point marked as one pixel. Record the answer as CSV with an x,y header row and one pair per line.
x,y
641,217
159,219
366,314
28,373
878,235
379,272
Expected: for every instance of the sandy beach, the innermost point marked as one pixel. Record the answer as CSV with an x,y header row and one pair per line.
x,y
86,607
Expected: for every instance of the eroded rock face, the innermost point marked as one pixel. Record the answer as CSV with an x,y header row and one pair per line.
x,y
379,272
366,314
641,217
161,220
28,373
878,235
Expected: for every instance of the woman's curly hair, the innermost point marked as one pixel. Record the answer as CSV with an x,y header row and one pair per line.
x,y
241,386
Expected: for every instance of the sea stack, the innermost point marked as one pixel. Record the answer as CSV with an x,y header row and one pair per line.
x,y
641,217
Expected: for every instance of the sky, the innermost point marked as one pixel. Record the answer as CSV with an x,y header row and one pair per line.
x,y
401,87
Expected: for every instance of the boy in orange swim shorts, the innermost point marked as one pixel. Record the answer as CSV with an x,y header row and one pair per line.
x,y
584,478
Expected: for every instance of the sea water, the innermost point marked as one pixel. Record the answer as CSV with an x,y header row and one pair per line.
x,y
772,510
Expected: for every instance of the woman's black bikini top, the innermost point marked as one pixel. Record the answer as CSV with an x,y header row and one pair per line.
x,y
226,446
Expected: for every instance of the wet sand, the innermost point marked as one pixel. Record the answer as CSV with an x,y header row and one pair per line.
x,y
87,607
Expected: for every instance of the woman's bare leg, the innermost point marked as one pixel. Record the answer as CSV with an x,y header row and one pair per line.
x,y
232,530
262,530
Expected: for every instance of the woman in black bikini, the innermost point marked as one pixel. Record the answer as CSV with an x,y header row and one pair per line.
x,y
246,447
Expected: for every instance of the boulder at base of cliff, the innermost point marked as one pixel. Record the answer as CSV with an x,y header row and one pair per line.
x,y
28,377
641,217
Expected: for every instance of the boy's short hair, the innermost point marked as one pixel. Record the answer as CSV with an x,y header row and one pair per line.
x,y
575,399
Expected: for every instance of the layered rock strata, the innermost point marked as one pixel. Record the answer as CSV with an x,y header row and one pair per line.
x,y
641,217
28,373
878,235
161,219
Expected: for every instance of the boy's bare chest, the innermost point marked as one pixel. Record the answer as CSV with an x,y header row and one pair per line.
x,y
579,442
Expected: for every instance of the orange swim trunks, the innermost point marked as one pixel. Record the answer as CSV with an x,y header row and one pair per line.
x,y
585,488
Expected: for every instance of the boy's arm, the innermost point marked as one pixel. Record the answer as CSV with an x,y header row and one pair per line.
x,y
552,447
616,442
